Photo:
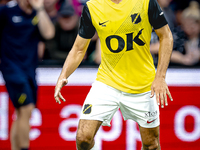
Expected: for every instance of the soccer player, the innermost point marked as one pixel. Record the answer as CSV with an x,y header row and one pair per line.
x,y
126,77
23,22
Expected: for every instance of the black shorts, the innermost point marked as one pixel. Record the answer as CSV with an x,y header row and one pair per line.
x,y
22,89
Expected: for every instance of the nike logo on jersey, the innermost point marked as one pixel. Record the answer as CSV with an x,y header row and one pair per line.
x,y
102,23
161,13
11,4
151,121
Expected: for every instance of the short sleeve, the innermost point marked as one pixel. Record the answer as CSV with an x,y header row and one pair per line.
x,y
156,15
86,29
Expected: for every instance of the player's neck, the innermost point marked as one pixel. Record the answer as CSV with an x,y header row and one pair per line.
x,y
116,1
25,7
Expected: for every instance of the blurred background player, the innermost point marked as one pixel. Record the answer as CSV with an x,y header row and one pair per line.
x,y
23,22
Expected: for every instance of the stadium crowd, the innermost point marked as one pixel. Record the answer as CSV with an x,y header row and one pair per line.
x,y
183,18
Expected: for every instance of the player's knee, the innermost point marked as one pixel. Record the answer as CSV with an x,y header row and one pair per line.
x,y
84,141
25,111
153,145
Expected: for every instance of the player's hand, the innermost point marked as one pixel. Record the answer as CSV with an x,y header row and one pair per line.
x,y
37,4
160,88
57,93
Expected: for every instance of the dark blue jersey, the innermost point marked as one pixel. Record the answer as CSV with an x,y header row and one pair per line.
x,y
19,40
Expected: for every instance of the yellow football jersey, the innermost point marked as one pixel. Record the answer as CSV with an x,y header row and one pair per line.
x,y
125,32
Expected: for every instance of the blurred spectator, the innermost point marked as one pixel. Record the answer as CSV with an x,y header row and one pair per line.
x,y
23,24
66,29
187,37
169,14
97,53
178,6
78,5
50,7
171,19
93,53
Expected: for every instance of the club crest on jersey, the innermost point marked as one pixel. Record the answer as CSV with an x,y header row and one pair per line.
x,y
87,109
22,98
35,20
136,18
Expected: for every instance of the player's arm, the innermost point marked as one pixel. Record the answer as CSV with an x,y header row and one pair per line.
x,y
45,25
73,60
159,86
159,23
75,56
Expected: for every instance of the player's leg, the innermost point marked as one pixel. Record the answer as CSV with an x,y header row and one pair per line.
x,y
150,138
86,132
22,93
19,135
145,111
13,136
99,107
23,127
